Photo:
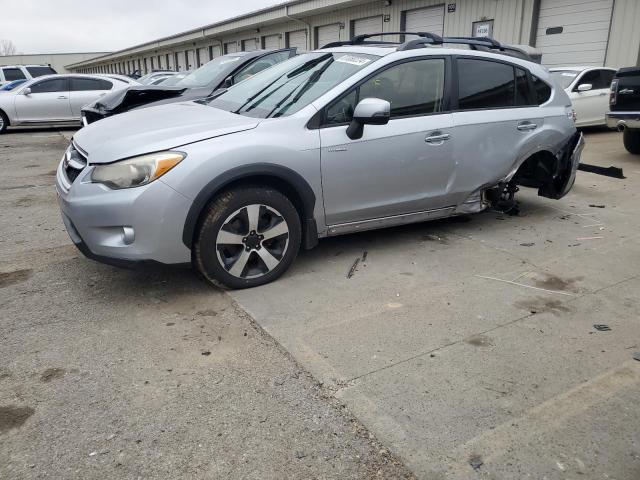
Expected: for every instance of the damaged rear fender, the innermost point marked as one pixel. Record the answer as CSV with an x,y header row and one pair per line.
x,y
552,173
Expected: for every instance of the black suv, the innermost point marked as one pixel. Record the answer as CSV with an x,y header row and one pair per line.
x,y
624,104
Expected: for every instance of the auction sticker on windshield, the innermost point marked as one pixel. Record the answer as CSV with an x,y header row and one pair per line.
x,y
353,60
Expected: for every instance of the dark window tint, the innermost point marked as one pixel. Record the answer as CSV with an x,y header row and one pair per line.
x,y
484,84
523,95
412,88
11,74
599,79
40,71
84,84
607,77
52,85
541,89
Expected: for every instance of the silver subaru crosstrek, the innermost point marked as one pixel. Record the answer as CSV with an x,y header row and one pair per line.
x,y
353,137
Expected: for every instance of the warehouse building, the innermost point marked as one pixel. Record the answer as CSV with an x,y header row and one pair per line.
x,y
58,61
567,32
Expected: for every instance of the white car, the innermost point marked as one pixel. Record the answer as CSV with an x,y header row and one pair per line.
x,y
54,99
588,88
10,73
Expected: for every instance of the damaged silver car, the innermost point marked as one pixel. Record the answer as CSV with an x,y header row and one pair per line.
x,y
361,135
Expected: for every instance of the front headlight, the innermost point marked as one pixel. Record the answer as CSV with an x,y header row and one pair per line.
x,y
136,171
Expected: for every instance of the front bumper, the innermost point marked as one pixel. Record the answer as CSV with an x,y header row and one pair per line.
x,y
91,115
125,227
623,120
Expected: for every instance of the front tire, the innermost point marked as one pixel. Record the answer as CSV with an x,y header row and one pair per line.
x,y
4,122
247,237
631,139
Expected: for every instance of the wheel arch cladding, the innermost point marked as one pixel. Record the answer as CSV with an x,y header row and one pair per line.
x,y
288,182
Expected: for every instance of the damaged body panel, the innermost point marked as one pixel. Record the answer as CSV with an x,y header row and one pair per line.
x,y
213,76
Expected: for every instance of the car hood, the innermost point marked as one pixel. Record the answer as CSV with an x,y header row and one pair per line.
x,y
155,129
132,97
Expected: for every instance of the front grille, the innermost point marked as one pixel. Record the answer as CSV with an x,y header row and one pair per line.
x,y
74,162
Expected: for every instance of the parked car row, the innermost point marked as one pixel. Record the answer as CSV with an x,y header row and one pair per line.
x,y
281,150
55,99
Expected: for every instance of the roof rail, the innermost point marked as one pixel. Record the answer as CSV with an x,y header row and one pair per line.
x,y
473,42
362,39
427,38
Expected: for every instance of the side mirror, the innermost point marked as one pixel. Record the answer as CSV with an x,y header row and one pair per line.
x,y
26,91
228,82
585,87
369,111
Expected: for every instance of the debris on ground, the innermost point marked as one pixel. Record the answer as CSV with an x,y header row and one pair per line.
x,y
300,454
364,256
601,327
476,462
613,172
530,244
589,238
596,206
206,353
636,356
353,268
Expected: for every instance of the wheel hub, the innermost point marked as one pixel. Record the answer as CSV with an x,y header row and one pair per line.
x,y
252,241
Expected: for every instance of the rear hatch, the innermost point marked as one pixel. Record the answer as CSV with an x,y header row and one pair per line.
x,y
625,90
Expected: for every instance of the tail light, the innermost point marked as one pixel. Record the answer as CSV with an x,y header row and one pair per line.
x,y
613,94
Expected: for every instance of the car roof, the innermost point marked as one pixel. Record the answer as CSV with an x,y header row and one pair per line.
x,y
577,69
25,65
382,50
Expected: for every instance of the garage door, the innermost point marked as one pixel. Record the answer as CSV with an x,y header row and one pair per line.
x,y
297,40
271,42
215,51
573,33
425,20
327,34
367,25
191,59
231,47
249,45
203,56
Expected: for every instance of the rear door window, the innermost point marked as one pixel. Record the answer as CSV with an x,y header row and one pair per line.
x,y
11,74
89,84
484,84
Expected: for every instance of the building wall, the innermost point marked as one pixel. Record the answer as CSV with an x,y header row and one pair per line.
x,y
57,60
514,22
624,39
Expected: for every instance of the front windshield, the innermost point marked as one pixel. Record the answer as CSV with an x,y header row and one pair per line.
x,y
565,77
172,80
292,85
213,71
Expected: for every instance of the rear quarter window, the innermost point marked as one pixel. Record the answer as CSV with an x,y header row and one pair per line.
x,y
40,71
542,90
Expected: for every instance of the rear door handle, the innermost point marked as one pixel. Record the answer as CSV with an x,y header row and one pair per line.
x,y
62,97
527,126
437,138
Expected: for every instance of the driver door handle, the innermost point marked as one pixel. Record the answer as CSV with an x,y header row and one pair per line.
x,y
526,126
62,97
437,138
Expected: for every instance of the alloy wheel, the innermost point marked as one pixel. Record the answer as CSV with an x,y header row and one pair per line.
x,y
252,241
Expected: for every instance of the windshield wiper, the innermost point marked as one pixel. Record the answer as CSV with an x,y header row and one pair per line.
x,y
310,64
313,79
